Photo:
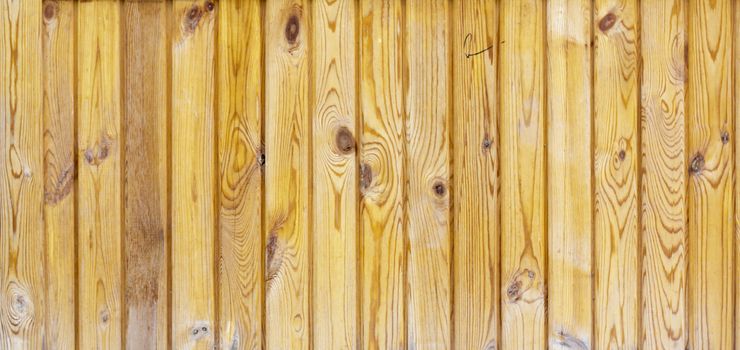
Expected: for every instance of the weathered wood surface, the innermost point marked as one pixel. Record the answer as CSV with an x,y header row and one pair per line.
x,y
145,174
369,174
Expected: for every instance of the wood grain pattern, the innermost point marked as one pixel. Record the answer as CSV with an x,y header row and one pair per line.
x,y
428,175
194,177
335,201
22,282
287,174
100,153
616,183
146,217
709,104
664,171
569,164
736,70
239,113
58,38
523,174
382,174
475,146
372,174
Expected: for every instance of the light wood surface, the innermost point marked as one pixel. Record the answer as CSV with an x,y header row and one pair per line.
x,y
664,172
616,157
369,174
523,114
194,175
709,102
239,76
569,181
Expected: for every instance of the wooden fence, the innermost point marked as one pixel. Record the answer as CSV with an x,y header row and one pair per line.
x,y
370,174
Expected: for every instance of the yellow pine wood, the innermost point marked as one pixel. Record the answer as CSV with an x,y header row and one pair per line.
x,y
428,175
145,58
22,270
616,170
736,70
709,104
239,86
288,185
99,161
569,164
664,171
58,37
194,174
383,280
522,108
475,152
334,232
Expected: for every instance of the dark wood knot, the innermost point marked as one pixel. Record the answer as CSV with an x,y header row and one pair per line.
x,y
345,142
439,188
697,164
607,22
292,28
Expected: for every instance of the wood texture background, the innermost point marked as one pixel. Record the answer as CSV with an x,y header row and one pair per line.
x,y
369,174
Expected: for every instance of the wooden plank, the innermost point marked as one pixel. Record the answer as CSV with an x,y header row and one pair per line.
x,y
239,85
428,164
287,174
663,192
523,183
193,165
146,217
569,164
334,240
736,69
100,268
22,271
58,39
475,147
382,174
616,182
709,103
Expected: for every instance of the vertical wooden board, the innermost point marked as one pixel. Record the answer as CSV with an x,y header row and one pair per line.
x,y
428,164
736,70
146,227
334,239
475,187
663,192
239,83
58,38
382,174
569,164
193,165
22,270
616,165
709,103
100,155
287,174
523,184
